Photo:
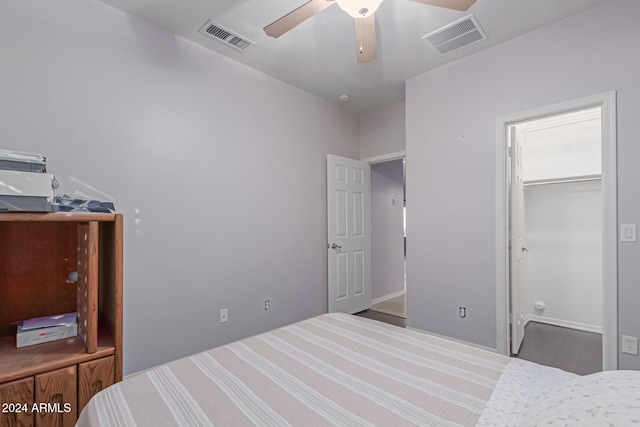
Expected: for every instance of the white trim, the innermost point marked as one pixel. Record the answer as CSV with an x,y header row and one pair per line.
x,y
502,235
563,323
387,297
492,350
607,101
385,157
609,233
380,159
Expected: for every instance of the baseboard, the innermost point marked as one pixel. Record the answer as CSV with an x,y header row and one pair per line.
x,y
563,323
125,377
387,297
482,347
142,371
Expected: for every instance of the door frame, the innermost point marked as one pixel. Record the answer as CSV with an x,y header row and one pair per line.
x,y
607,102
383,158
386,157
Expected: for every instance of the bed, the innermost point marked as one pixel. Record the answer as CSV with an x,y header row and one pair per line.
x,y
338,369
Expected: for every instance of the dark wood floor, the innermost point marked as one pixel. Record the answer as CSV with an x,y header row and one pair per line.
x,y
383,317
568,349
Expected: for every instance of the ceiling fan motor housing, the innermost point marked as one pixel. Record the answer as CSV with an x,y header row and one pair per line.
x,y
359,8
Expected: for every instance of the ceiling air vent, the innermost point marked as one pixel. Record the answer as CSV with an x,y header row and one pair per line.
x,y
456,35
225,36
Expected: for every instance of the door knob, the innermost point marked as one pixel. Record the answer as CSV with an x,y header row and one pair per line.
x,y
336,247
525,249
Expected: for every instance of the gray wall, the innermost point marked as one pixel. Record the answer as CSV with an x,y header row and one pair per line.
x,y
219,169
451,137
387,239
382,131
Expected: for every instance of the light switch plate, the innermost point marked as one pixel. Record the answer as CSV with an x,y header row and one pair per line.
x,y
628,233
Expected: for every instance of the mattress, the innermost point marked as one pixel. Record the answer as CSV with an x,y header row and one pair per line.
x,y
334,369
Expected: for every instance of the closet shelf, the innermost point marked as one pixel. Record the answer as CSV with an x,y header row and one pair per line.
x,y
562,180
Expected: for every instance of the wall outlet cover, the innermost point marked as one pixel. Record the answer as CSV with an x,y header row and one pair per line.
x,y
630,345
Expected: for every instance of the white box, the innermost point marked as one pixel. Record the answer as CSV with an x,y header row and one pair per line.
x,y
47,328
40,335
22,161
26,184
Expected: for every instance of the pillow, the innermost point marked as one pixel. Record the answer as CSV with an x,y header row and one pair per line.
x,y
610,398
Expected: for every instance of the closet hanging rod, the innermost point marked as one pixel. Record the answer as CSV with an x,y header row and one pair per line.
x,y
563,180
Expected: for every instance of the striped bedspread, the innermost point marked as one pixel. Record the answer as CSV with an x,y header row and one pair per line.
x,y
333,369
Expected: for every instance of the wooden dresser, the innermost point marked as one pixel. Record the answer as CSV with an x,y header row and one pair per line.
x,y
48,384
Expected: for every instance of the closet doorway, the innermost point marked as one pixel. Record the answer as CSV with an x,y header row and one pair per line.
x,y
557,194
569,202
388,237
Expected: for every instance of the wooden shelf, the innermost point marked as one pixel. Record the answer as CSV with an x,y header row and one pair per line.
x,y
38,251
57,216
17,363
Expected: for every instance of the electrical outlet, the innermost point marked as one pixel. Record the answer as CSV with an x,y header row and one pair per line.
x,y
267,304
462,311
630,345
224,315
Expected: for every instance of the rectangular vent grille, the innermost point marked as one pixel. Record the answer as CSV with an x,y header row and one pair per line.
x,y
456,35
225,36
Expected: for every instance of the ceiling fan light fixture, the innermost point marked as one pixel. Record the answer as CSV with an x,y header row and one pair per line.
x,y
359,8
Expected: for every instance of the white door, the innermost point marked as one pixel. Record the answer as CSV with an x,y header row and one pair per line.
x,y
349,235
518,249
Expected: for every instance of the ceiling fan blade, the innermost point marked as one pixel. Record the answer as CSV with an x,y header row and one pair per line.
x,y
449,4
299,15
366,38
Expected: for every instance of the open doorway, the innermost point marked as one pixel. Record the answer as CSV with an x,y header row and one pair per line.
x,y
559,240
511,313
388,237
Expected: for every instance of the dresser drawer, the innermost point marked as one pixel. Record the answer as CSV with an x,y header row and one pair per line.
x,y
92,377
56,391
16,398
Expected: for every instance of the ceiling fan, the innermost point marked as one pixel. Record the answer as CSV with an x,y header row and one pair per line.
x,y
362,11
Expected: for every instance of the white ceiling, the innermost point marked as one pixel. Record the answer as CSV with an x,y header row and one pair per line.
x,y
319,55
